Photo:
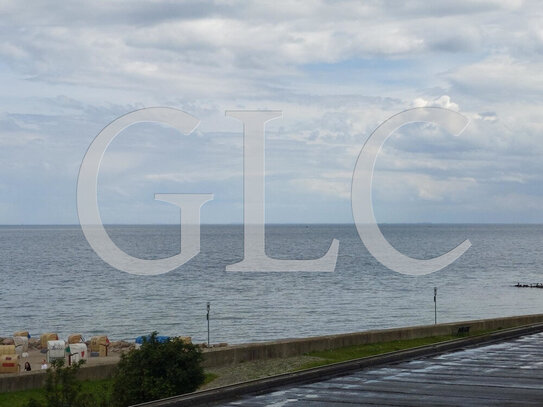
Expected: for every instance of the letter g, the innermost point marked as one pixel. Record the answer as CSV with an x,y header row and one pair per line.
x,y
87,203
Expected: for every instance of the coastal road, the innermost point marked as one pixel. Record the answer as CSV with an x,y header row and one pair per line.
x,y
503,374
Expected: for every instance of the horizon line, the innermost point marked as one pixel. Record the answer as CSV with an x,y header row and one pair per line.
x,y
278,223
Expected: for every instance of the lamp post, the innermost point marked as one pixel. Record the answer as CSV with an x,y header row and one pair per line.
x,y
208,308
435,305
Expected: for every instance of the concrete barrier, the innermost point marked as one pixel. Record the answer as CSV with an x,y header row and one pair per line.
x,y
289,347
295,347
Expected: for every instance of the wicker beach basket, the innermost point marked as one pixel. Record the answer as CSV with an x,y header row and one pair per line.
x,y
75,338
9,364
56,349
7,350
99,344
77,352
44,338
21,344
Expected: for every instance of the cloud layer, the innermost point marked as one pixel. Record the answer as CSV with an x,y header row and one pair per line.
x,y
335,69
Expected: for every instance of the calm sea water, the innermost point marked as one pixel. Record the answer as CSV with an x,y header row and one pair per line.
x,y
53,281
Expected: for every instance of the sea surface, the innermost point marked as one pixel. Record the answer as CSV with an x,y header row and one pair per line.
x,y
52,281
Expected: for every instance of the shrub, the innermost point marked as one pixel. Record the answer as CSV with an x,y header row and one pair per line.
x,y
157,370
62,389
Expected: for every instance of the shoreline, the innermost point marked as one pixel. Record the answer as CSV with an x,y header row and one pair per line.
x,y
233,355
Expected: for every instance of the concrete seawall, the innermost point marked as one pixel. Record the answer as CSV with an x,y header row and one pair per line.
x,y
289,347
295,347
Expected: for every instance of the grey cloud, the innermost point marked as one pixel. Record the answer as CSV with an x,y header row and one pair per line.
x,y
124,12
97,61
446,8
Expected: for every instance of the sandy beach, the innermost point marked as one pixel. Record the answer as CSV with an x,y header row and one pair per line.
x,y
36,355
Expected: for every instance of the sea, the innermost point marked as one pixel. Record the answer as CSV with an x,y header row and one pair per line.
x,y
52,281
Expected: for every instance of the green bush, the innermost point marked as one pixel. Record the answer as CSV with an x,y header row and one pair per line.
x,y
62,389
157,370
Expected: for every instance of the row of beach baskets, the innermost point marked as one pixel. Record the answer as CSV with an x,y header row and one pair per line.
x,y
74,349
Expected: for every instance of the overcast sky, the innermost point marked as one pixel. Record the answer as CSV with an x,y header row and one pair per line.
x,y
335,69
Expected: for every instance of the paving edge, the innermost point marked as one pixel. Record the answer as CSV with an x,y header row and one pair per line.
x,y
228,393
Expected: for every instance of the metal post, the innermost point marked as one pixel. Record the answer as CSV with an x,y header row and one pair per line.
x,y
435,305
208,308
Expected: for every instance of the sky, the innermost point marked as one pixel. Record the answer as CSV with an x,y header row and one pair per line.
x,y
336,70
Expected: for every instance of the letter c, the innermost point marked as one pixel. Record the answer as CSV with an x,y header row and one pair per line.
x,y
361,194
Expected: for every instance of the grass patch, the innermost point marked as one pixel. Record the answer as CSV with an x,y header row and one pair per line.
x,y
209,378
362,351
21,398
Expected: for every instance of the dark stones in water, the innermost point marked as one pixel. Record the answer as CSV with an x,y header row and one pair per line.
x,y
536,285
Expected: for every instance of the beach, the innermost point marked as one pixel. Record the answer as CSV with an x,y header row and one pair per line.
x,y
36,355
